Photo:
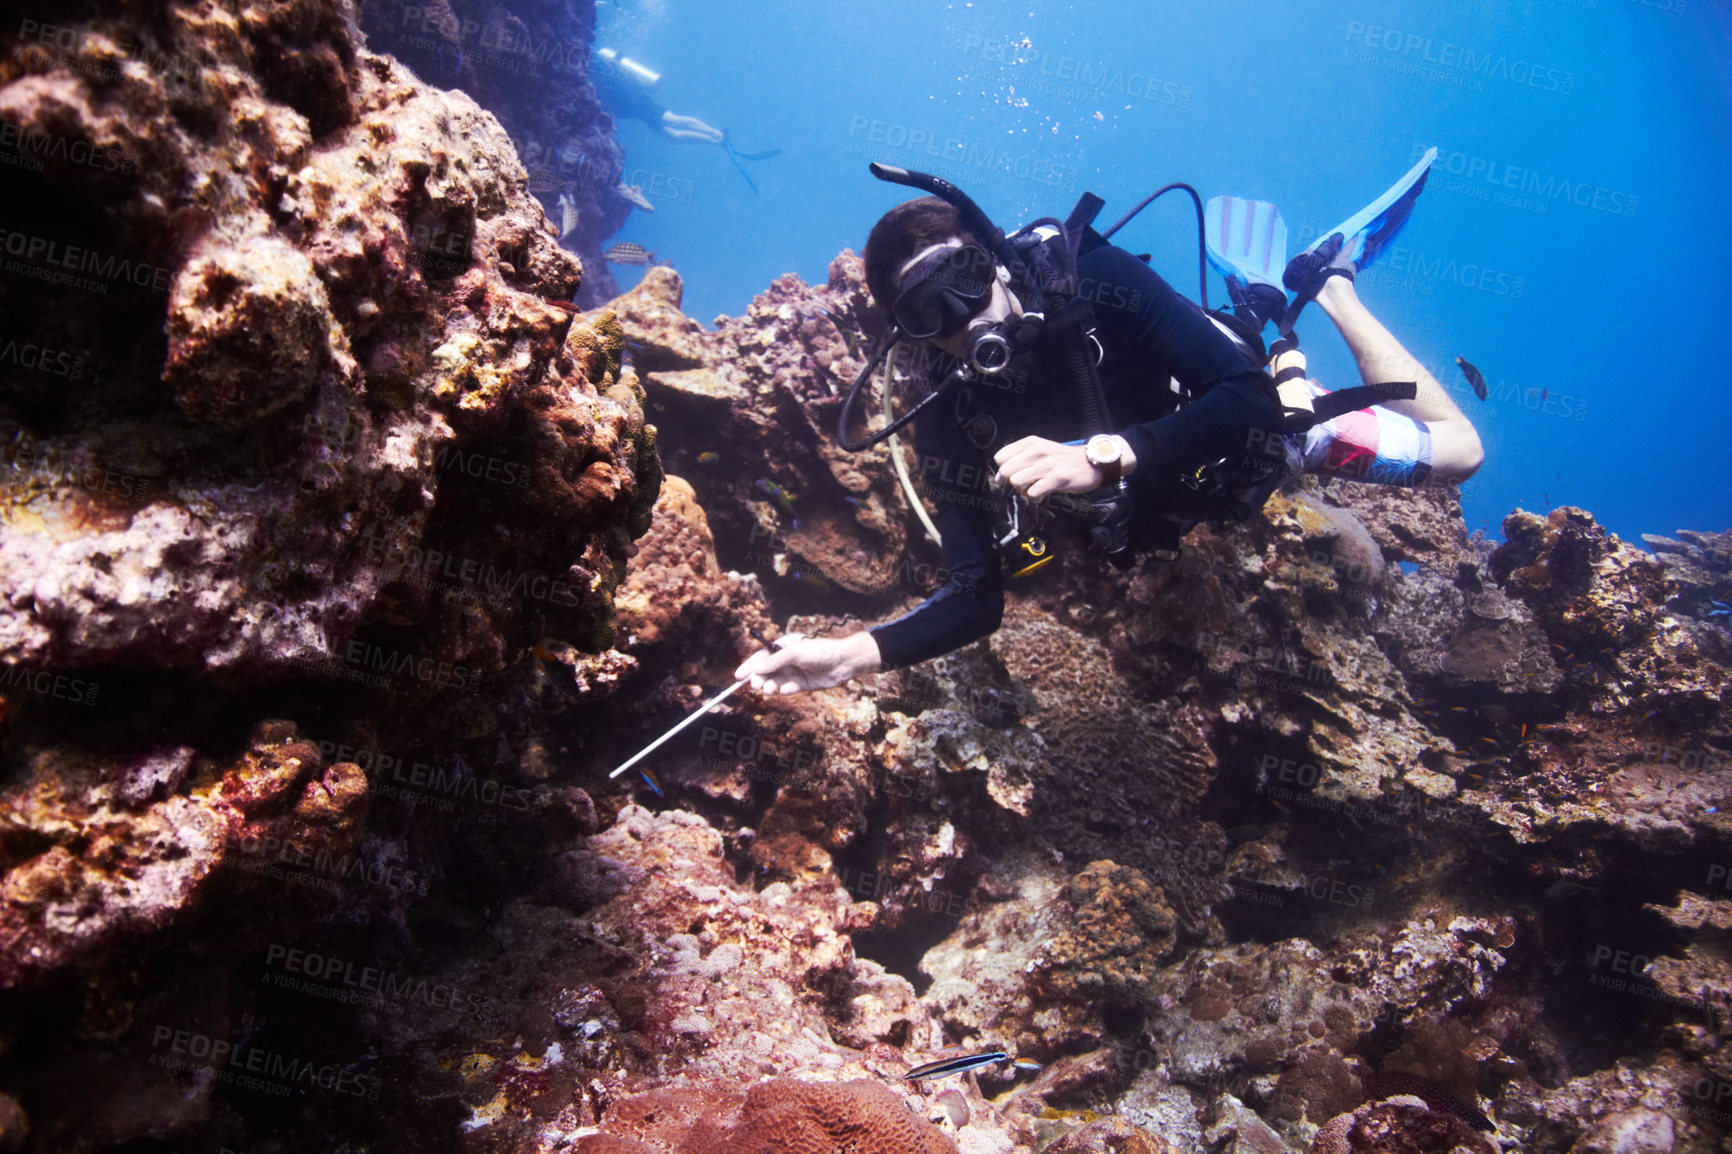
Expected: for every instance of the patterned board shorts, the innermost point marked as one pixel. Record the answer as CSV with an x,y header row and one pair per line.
x,y
1375,445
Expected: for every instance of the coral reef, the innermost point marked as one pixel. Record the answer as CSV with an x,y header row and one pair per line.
x,y
340,589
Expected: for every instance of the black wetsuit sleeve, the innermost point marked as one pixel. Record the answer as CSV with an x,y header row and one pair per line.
x,y
970,604
1235,407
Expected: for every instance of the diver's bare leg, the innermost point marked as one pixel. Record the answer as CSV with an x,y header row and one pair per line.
x,y
1455,447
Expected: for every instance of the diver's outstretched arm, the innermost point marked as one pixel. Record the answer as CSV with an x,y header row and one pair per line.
x,y
1456,451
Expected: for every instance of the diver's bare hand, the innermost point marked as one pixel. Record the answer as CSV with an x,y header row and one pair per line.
x,y
1035,466
800,663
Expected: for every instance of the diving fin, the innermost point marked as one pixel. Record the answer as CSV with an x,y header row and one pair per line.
x,y
736,156
1355,242
1246,238
1368,232
1247,245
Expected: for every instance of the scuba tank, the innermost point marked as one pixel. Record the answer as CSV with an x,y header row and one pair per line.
x,y
627,67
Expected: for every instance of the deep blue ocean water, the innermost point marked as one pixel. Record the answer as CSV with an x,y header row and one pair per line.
x,y
1572,241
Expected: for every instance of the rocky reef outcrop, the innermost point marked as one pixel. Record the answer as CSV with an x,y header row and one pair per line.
x,y
315,437
527,63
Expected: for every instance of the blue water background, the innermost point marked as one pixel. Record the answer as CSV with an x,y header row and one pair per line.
x,y
1600,328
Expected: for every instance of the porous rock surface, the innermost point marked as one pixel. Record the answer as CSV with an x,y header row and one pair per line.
x,y
528,64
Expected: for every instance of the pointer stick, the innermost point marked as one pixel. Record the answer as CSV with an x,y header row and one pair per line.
x,y
702,709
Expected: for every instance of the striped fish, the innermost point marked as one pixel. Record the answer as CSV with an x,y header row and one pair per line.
x,y
628,253
946,1067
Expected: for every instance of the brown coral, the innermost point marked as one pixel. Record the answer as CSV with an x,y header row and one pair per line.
x,y
1121,931
780,1116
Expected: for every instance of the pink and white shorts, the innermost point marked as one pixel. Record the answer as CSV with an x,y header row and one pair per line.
x,y
1376,445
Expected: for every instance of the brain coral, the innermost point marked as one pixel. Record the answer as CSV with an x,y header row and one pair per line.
x,y
781,1116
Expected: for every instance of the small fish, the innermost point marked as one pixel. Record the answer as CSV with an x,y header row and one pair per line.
x,y
652,781
1474,378
1391,1083
857,502
1026,1064
849,336
945,1067
779,497
814,580
1562,890
541,655
634,194
708,457
1721,609
629,253
568,217
1098,115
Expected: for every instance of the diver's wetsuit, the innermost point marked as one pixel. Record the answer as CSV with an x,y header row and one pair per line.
x,y
624,97
1151,335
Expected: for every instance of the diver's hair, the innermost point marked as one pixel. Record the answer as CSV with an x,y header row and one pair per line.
x,y
900,233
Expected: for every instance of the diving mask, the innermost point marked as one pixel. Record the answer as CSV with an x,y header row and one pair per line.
x,y
944,291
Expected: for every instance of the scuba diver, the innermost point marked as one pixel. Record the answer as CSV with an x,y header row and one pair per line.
x,y
625,88
1198,428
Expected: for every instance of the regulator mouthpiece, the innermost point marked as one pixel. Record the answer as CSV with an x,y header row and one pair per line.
x,y
991,353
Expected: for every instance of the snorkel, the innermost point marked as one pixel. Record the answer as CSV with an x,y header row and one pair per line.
x,y
991,347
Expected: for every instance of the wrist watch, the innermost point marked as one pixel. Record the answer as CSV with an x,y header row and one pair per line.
x,y
1103,453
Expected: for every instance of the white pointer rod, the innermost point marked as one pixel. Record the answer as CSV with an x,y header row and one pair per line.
x,y
701,710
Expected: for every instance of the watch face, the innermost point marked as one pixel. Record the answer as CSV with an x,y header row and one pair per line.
x,y
1101,450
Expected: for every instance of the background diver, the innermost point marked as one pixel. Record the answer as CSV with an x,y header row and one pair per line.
x,y
1203,431
626,90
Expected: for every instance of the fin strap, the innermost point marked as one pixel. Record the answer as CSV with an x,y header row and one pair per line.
x,y
1332,405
